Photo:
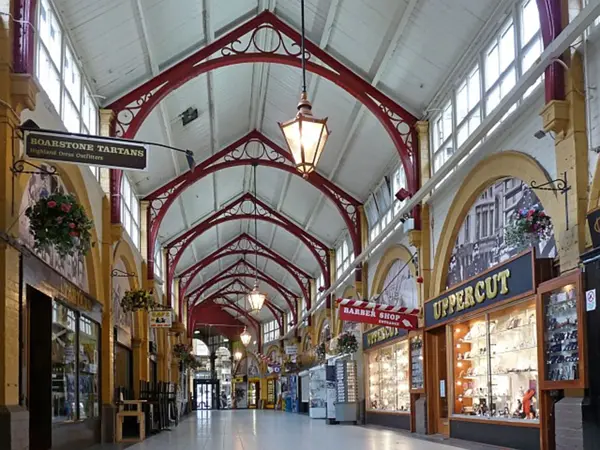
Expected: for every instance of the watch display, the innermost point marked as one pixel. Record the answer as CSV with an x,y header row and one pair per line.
x,y
389,378
416,363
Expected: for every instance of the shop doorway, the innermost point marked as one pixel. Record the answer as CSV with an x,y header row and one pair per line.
x,y
438,381
206,394
253,394
40,392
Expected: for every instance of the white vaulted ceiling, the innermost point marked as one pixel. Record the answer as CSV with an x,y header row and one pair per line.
x,y
405,48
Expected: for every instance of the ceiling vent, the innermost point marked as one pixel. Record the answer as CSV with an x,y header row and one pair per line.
x,y
189,115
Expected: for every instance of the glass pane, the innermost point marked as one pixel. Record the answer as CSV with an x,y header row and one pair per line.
x,y
508,82
462,102
50,32
64,364
416,355
492,66
48,77
561,342
70,115
72,77
447,121
402,378
471,368
85,108
530,21
507,48
387,367
492,100
474,88
374,379
462,134
88,368
126,191
531,54
513,347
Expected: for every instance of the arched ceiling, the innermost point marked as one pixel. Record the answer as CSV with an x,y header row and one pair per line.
x,y
404,48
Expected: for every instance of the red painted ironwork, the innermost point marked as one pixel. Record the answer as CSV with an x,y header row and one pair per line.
x,y
244,245
243,269
551,23
241,46
263,152
23,13
244,208
210,313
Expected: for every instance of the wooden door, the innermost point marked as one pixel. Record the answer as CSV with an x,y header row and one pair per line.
x,y
438,382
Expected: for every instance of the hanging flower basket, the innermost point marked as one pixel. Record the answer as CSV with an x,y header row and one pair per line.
x,y
347,343
528,227
59,221
181,351
321,352
137,300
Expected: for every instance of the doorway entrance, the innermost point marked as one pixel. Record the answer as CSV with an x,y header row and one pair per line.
x,y
206,394
438,381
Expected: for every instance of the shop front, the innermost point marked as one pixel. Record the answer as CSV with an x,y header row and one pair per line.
x,y
394,376
497,346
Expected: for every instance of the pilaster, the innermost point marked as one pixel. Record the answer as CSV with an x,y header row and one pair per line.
x,y
362,286
422,127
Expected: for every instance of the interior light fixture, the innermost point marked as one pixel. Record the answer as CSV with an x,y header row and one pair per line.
x,y
255,297
305,135
245,337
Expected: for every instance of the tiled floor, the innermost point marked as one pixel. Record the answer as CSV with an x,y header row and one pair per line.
x,y
273,430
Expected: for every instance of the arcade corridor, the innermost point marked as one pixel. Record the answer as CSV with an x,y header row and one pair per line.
x,y
269,430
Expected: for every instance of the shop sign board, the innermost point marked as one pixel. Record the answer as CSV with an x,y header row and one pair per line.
x,y
378,317
593,219
291,350
381,335
513,279
161,319
92,150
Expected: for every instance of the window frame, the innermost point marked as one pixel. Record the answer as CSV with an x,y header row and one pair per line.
x,y
128,201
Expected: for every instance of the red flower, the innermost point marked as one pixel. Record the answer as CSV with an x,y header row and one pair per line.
x,y
419,279
59,219
74,233
542,214
71,225
66,207
530,213
51,204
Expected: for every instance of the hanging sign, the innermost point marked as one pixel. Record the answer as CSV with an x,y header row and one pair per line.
x,y
593,219
161,319
291,350
380,335
88,151
377,314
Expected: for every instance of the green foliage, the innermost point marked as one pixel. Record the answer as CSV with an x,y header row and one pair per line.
x,y
59,221
528,227
347,343
137,300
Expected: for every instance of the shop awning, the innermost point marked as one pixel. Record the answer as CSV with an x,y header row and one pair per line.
x,y
378,314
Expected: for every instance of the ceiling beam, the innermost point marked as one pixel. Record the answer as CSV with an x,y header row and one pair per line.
x,y
165,124
399,24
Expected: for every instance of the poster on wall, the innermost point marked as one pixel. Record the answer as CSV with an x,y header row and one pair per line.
x,y
481,242
161,319
86,151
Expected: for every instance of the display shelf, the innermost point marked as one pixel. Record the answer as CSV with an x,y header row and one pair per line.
x,y
389,379
561,333
416,370
346,381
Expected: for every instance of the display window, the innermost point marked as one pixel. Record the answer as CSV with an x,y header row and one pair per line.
x,y
389,388
74,373
496,366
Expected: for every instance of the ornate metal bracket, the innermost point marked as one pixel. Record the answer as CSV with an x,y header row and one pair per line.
x,y
118,273
18,168
558,185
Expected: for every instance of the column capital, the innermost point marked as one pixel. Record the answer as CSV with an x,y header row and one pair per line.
x,y
415,237
555,116
422,127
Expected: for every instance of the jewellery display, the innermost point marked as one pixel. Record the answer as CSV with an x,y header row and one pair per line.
x,y
389,378
561,334
416,363
346,381
495,364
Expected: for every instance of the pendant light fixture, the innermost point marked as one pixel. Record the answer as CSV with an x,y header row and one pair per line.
x,y
245,337
305,135
256,298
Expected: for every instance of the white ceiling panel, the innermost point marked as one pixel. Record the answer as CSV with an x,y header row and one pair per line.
x,y
315,15
198,200
230,184
328,224
172,224
300,198
223,14
232,91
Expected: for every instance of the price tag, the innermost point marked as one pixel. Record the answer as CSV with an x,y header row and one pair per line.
x,y
590,300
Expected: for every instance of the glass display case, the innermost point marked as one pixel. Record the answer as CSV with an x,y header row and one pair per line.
x,y
417,383
389,378
560,305
318,393
496,365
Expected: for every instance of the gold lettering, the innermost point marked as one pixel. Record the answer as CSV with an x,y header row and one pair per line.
x,y
444,306
479,294
437,311
460,304
469,300
491,286
452,303
503,277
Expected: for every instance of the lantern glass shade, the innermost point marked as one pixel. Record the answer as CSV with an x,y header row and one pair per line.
x,y
237,355
256,299
245,337
305,137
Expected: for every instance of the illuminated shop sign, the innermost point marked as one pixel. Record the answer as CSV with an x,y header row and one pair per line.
x,y
88,151
380,335
513,279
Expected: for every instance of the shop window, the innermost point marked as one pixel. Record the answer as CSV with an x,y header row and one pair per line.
x,y
60,74
496,366
130,212
270,331
343,257
389,379
74,373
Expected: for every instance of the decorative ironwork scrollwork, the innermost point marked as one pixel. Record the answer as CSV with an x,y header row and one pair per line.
x,y
262,153
19,166
251,43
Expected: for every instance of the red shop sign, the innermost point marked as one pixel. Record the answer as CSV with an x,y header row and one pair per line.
x,y
379,317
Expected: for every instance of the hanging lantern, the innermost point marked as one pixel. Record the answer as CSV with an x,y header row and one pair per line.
x,y
238,355
305,137
245,337
256,299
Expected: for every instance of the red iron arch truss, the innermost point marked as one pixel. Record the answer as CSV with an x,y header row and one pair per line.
x,y
254,148
239,270
214,314
244,208
245,244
